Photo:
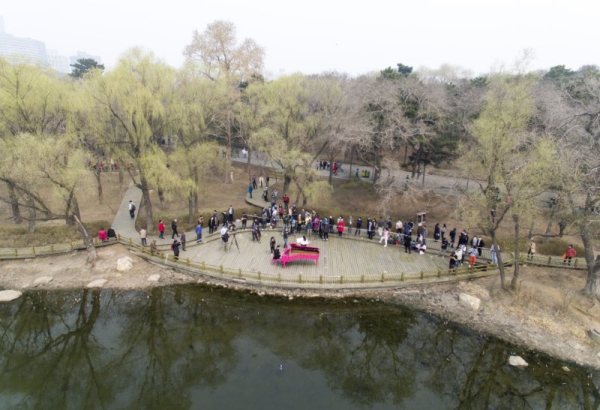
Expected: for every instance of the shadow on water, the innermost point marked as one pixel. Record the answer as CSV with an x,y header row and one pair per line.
x,y
190,347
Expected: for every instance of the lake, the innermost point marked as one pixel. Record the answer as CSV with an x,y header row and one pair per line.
x,y
190,347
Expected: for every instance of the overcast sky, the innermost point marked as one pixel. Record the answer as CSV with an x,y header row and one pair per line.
x,y
313,36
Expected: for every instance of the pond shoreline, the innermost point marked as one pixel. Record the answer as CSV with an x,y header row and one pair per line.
x,y
499,316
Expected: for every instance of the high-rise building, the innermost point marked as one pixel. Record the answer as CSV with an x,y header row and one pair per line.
x,y
17,48
58,62
83,54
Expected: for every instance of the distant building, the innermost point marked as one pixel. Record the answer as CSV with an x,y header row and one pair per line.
x,y
83,54
58,62
18,49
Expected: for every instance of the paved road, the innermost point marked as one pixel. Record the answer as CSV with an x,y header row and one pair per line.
x,y
442,184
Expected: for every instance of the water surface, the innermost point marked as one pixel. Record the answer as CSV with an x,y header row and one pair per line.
x,y
189,347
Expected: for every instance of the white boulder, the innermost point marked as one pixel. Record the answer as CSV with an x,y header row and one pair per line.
x,y
154,278
42,280
124,264
517,361
98,283
470,301
8,295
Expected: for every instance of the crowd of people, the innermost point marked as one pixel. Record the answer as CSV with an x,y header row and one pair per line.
x,y
298,221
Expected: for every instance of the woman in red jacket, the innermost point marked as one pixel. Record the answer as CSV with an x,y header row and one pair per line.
x,y
161,229
340,226
569,254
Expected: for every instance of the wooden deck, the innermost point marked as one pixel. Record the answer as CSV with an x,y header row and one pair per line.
x,y
338,257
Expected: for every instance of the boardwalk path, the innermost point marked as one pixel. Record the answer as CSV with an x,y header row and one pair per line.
x,y
352,255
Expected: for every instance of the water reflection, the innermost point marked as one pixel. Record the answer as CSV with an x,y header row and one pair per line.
x,y
187,347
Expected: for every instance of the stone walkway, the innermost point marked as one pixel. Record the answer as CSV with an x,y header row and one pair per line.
x,y
123,224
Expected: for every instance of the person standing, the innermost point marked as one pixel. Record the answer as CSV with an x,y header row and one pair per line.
x,y
161,229
175,248
443,232
531,251
493,250
262,181
272,244
224,236
480,246
250,190
340,226
472,256
230,214
452,237
183,241
407,243
399,227
358,226
268,178
244,220
424,233
285,237
143,236
380,226
570,253
131,209
153,247
453,261
253,182
325,229
386,236
198,232
436,232
174,229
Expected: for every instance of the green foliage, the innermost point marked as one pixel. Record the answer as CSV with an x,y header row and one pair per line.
x,y
84,66
559,74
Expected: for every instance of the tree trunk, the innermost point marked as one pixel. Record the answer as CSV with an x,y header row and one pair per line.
x,y
161,198
32,214
92,255
286,183
98,176
330,159
228,151
351,162
499,257
121,177
592,283
190,208
69,220
147,203
14,203
515,278
249,164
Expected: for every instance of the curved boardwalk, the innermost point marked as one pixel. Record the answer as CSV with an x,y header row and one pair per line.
x,y
350,261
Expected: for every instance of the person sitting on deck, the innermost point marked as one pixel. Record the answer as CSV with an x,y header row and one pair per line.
x,y
302,241
111,234
102,235
276,253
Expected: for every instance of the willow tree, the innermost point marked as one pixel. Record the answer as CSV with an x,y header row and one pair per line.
x,y
135,99
292,125
32,100
48,172
506,159
218,57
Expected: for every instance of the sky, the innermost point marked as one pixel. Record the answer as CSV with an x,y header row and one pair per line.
x,y
313,36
